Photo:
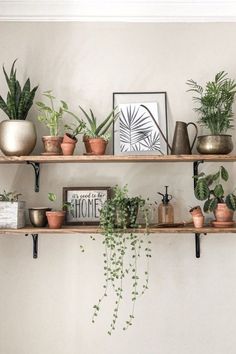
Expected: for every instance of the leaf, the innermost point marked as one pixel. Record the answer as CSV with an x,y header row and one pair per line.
x,y
224,173
64,105
230,201
210,205
218,191
52,197
201,190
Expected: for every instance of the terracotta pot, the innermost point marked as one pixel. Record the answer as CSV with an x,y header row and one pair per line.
x,y
67,138
198,221
68,148
223,213
52,145
196,211
87,145
55,219
95,146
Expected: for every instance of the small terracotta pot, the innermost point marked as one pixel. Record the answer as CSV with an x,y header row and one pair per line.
x,y
55,219
67,138
68,148
223,213
52,145
95,146
196,211
87,145
198,221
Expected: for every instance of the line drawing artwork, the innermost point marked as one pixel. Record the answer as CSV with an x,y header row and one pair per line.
x,y
138,132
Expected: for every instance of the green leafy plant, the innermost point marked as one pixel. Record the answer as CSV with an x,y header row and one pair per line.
x,y
124,247
19,101
215,103
210,188
52,117
9,196
75,129
101,130
52,197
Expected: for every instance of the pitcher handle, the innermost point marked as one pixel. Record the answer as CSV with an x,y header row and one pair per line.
x,y
195,137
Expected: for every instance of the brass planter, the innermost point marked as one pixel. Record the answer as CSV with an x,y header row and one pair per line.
x,y
214,144
38,216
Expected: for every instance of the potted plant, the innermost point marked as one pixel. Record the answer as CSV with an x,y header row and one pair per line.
x,y
17,136
123,249
210,188
37,216
96,136
214,106
70,139
56,218
12,211
52,118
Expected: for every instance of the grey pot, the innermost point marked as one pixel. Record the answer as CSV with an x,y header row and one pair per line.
x,y
214,144
17,137
38,216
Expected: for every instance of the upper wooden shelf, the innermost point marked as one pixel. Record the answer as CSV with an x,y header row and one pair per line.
x,y
115,158
96,230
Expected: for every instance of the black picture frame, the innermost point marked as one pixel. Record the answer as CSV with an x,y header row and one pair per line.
x,y
143,98
83,210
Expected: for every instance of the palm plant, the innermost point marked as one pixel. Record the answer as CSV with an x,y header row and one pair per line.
x,y
215,103
19,101
101,130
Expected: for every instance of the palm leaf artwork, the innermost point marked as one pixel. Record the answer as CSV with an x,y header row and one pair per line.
x,y
152,142
135,126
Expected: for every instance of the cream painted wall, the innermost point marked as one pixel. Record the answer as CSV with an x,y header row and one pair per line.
x,y
46,304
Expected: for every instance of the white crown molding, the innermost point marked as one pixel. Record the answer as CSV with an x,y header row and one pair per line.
x,y
118,10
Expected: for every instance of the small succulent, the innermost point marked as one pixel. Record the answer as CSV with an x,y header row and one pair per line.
x,y
19,101
209,188
9,196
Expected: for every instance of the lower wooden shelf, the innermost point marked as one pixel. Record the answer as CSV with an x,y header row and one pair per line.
x,y
96,230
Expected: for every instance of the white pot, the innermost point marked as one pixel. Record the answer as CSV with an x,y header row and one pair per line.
x,y
17,137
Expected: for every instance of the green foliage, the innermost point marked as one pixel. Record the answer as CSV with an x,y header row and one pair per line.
x,y
101,130
215,103
75,129
210,188
52,197
123,250
19,101
9,196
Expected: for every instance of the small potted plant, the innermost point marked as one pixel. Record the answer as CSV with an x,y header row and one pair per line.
x,y
12,211
70,139
17,135
124,247
214,106
55,218
210,188
96,136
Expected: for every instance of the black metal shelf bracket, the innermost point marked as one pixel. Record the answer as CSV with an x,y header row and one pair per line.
x,y
35,238
197,235
36,166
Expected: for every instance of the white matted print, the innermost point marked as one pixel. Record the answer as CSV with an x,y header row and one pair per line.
x,y
136,130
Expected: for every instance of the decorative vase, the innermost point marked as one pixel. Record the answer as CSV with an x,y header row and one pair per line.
x,y
198,221
223,213
17,137
95,146
52,145
68,148
214,144
38,216
55,219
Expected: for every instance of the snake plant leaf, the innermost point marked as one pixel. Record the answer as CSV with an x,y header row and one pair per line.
x,y
4,106
224,173
230,201
210,205
218,191
201,190
11,106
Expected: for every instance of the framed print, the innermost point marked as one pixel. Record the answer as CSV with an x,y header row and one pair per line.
x,y
141,124
85,204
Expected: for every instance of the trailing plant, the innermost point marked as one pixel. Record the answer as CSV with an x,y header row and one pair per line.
x,y
9,196
52,117
215,103
19,100
123,250
99,131
210,188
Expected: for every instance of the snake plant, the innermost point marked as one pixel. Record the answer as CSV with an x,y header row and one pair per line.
x,y
19,100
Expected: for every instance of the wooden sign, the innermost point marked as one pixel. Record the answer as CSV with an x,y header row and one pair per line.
x,y
85,204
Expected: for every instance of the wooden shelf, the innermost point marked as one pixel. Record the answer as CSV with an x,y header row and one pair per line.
x,y
114,158
96,230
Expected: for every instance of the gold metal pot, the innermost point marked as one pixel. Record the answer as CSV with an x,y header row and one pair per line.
x,y
214,144
38,216
17,137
